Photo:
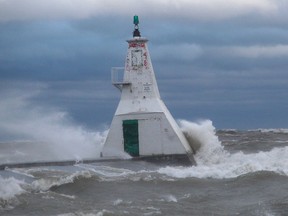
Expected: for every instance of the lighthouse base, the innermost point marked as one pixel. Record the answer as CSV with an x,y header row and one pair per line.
x,y
158,160
145,135
168,160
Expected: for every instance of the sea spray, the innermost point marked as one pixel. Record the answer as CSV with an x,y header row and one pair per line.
x,y
202,136
48,132
215,162
10,187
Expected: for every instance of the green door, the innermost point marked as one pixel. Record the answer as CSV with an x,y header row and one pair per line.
x,y
131,138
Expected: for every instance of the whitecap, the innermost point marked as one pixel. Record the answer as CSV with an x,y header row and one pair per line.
x,y
213,161
45,184
10,187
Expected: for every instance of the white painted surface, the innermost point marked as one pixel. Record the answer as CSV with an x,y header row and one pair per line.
x,y
140,100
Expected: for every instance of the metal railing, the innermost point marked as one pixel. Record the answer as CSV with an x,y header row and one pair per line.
x,y
117,77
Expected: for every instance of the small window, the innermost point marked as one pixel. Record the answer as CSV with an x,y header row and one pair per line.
x,y
137,58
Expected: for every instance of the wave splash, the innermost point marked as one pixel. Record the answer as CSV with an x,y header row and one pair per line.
x,y
42,133
10,188
213,161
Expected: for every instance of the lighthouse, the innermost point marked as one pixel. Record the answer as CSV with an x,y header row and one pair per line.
x,y
142,126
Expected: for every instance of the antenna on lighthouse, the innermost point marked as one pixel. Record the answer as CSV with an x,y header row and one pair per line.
x,y
136,32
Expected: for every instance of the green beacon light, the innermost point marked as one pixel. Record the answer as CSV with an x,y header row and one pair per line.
x,y
136,20
136,32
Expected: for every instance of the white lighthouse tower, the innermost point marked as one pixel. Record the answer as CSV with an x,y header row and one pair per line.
x,y
142,126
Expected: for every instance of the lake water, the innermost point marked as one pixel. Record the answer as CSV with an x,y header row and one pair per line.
x,y
237,173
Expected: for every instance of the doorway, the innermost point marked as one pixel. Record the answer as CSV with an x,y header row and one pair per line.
x,y
131,137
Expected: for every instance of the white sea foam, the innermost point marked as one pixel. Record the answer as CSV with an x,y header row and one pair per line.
x,y
100,213
214,162
67,196
210,150
272,130
106,171
170,198
10,187
117,202
45,184
20,172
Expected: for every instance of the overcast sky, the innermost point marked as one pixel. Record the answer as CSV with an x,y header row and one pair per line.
x,y
226,61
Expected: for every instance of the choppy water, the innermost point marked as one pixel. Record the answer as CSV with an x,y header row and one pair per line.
x,y
238,173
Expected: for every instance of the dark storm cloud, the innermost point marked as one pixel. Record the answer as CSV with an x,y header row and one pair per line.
x,y
221,60
54,50
196,9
